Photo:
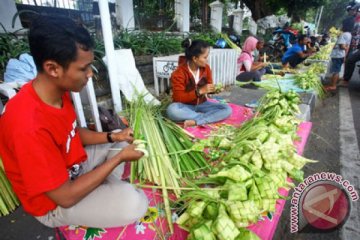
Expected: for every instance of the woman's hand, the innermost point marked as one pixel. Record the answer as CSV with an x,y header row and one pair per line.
x,y
264,64
125,135
259,65
208,88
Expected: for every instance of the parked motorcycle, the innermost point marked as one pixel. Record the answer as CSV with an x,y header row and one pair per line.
x,y
221,42
283,38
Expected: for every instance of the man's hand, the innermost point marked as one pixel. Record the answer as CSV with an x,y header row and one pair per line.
x,y
208,88
71,192
310,53
125,135
129,153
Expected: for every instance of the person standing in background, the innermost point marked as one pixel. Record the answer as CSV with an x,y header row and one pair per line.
x,y
339,52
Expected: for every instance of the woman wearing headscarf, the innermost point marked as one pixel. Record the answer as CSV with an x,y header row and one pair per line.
x,y
247,69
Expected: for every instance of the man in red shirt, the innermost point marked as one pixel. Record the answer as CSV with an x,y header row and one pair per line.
x,y
56,179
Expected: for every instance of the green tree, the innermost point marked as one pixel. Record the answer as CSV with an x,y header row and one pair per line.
x,y
334,12
296,9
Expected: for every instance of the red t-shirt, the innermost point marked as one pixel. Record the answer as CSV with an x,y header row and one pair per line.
x,y
38,143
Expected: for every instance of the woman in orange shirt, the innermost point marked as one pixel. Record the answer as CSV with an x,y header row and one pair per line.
x,y
191,82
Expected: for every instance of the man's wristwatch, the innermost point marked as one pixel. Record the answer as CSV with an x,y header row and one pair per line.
x,y
108,136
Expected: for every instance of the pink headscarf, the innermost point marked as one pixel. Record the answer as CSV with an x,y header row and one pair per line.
x,y
248,47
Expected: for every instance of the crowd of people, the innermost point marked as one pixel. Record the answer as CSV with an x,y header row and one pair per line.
x,y
251,66
345,52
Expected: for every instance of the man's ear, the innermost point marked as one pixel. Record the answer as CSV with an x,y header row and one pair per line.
x,y
52,68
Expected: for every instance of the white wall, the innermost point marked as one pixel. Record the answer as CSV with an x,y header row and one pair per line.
x,y
7,12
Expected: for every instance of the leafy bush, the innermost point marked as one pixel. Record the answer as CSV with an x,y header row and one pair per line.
x,y
158,43
148,43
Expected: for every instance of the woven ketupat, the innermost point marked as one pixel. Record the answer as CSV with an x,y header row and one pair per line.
x,y
236,173
279,179
243,213
254,193
196,209
273,166
224,227
203,232
266,187
237,192
268,205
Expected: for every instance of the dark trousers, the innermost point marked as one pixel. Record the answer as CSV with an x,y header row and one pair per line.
x,y
295,60
269,69
350,65
253,75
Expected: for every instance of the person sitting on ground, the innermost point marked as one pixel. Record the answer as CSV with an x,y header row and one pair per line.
x,y
191,82
260,57
247,69
339,52
297,53
57,180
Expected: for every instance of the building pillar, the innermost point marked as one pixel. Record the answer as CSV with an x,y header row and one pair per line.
x,y
216,15
182,13
125,14
238,21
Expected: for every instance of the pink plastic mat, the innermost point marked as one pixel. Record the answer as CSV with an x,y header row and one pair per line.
x,y
144,229
238,116
147,228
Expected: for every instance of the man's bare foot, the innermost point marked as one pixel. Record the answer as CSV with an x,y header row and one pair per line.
x,y
330,88
344,83
189,123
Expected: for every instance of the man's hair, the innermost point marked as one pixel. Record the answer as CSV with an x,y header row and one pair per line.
x,y
57,39
301,37
260,39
